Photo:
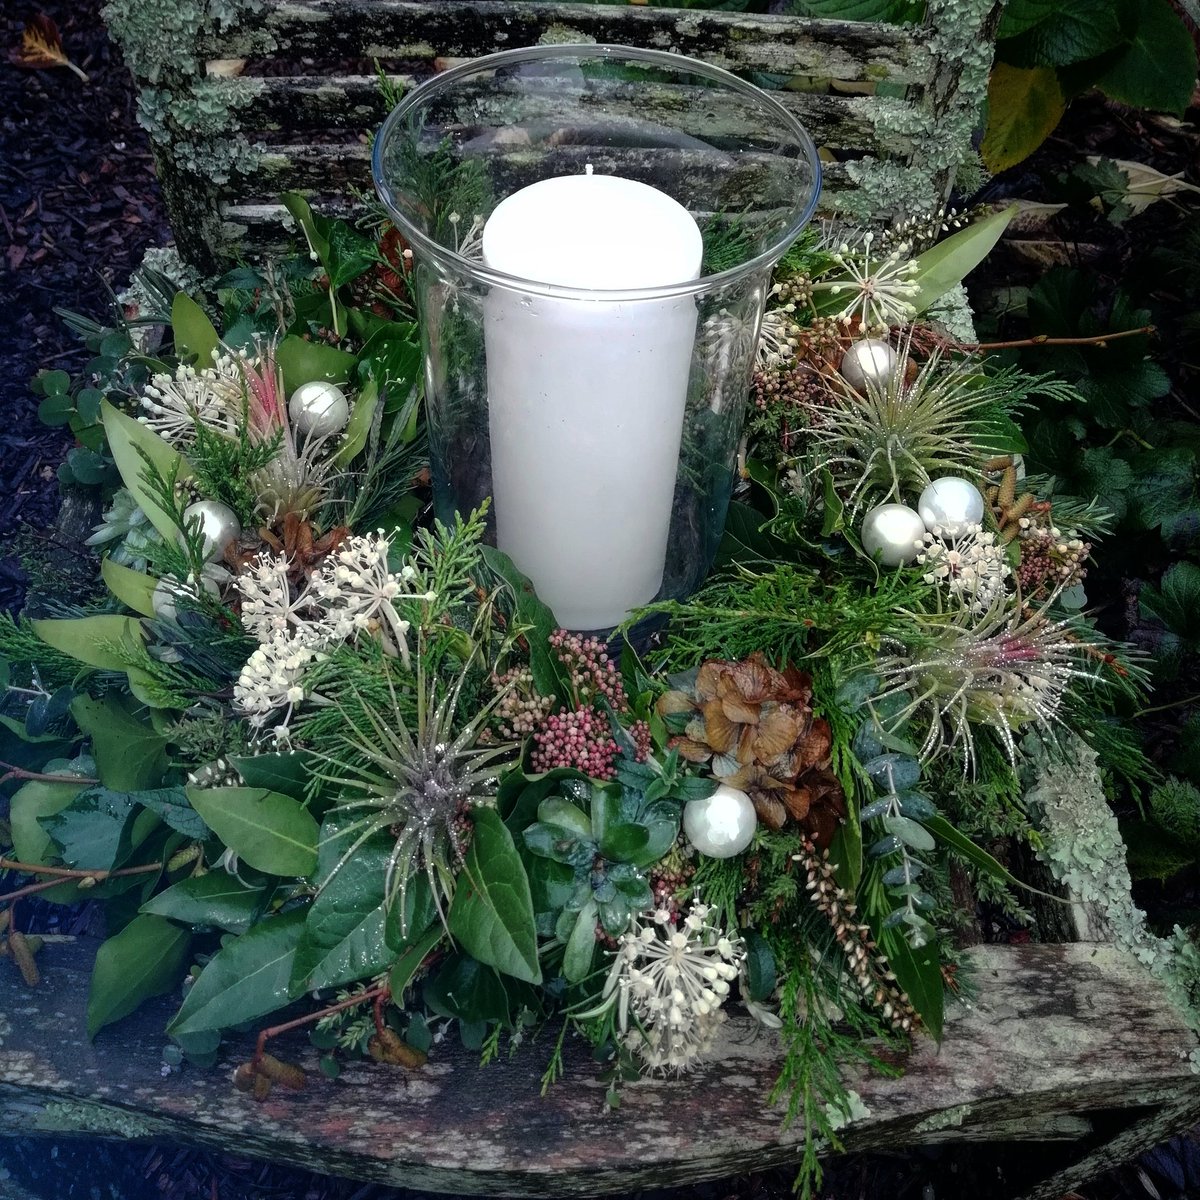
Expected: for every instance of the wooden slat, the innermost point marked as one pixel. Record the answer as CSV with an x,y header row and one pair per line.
x,y
427,29
1057,1031
354,101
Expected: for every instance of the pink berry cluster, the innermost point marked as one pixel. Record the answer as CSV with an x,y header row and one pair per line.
x,y
579,736
592,674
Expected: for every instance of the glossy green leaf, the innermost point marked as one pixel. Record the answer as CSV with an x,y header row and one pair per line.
x,y
962,845
133,588
215,899
130,754
1057,33
126,437
348,934
95,831
91,640
945,265
194,335
491,914
919,973
248,978
285,771
172,807
302,362
32,802
410,958
465,988
760,965
269,831
147,958
359,428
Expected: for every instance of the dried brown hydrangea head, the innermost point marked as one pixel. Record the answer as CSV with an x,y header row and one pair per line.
x,y
756,729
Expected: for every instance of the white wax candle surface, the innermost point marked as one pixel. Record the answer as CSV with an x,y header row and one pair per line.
x,y
586,397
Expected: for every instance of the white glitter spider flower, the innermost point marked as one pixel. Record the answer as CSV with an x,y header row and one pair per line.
x,y
879,290
669,984
971,566
359,591
268,607
272,678
173,404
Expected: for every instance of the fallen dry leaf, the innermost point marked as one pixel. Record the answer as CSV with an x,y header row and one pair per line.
x,y
1146,185
41,48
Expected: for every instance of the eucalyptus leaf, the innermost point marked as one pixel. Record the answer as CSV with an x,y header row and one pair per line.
x,y
247,978
915,836
147,958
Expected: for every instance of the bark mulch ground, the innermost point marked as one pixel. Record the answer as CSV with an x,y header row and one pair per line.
x,y
78,206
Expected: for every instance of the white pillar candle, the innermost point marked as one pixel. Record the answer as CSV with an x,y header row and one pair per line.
x,y
586,397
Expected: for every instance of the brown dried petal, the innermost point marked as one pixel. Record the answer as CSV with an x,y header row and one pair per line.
x,y
798,802
690,750
719,731
778,729
770,811
754,679
670,703
707,679
739,709
796,686
813,750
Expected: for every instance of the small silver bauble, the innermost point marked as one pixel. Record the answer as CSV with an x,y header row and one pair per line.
x,y
218,524
949,505
319,409
868,363
894,531
720,825
167,592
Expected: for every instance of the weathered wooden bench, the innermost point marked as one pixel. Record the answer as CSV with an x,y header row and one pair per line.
x,y
1072,1042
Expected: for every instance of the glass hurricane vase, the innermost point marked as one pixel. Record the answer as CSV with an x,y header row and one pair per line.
x,y
593,231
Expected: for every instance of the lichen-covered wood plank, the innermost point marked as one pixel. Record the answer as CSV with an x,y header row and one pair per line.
x,y
428,29
1057,1031
355,102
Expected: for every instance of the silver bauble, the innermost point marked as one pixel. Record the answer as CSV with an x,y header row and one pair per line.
x,y
319,409
720,825
868,363
218,523
894,531
949,505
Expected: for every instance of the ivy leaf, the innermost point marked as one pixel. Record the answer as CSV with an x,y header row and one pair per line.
x,y
35,801
248,978
172,807
1158,70
215,899
269,831
945,265
194,335
491,914
130,755
95,831
145,959
91,640
1024,106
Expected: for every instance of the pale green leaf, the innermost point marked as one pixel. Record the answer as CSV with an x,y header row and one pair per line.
x,y
302,362
91,640
134,589
195,337
126,437
945,265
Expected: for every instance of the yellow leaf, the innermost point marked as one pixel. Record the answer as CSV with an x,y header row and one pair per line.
x,y
41,48
1024,106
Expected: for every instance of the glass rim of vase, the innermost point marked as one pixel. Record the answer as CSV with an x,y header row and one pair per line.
x,y
481,273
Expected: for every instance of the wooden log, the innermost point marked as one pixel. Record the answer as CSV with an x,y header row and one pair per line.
x,y
321,102
423,30
1057,1031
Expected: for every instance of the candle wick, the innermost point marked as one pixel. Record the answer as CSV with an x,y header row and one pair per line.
x,y
588,169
